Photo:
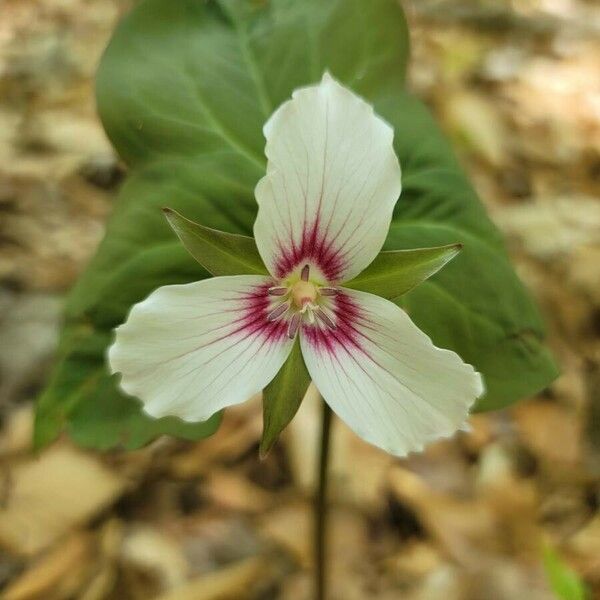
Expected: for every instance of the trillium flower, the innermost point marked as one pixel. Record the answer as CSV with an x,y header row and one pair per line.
x,y
324,210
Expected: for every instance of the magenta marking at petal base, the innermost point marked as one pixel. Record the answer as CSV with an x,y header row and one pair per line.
x,y
345,335
314,247
254,311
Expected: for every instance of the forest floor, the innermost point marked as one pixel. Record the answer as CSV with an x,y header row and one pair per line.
x,y
483,516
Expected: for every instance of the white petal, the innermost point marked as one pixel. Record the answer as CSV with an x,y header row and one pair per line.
x,y
332,182
191,350
384,377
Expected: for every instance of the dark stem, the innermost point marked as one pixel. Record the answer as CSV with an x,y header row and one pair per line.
x,y
321,507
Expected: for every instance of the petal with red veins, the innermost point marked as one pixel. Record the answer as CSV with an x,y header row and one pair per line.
x,y
332,182
191,350
384,377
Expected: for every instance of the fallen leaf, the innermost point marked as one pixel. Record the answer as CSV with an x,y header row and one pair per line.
x,y
49,495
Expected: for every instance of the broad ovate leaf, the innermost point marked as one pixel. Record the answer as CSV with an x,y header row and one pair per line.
x,y
396,272
219,252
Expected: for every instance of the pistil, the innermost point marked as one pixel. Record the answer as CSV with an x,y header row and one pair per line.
x,y
303,293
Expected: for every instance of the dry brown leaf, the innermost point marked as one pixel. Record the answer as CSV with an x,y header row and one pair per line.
x,y
230,583
17,431
239,431
463,528
151,550
291,527
551,431
101,584
584,547
415,560
49,495
58,574
234,492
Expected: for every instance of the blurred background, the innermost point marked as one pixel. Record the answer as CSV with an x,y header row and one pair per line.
x,y
507,511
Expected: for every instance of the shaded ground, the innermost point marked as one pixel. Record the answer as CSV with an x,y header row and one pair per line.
x,y
516,85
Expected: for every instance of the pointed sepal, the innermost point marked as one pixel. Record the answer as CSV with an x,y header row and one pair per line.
x,y
219,252
396,272
282,398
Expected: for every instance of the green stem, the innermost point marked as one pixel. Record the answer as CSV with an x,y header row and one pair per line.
x,y
321,507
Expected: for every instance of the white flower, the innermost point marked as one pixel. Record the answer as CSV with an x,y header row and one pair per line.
x,y
324,210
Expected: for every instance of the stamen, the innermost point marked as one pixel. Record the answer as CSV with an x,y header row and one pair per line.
x,y
276,313
277,291
328,291
325,319
305,273
293,326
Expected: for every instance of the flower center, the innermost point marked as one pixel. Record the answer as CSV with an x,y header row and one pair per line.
x,y
303,293
300,302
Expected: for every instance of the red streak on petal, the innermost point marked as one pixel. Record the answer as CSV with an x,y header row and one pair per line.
x,y
314,247
346,334
254,316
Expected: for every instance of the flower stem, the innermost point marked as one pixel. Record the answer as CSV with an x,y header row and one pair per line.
x,y
321,507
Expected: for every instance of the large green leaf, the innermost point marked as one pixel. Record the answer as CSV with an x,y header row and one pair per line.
x,y
183,91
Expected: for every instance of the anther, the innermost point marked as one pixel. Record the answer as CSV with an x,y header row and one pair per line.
x,y
325,319
305,273
276,313
293,326
328,291
277,291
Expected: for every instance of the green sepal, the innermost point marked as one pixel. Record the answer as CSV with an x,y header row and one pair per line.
x,y
282,398
219,252
396,272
